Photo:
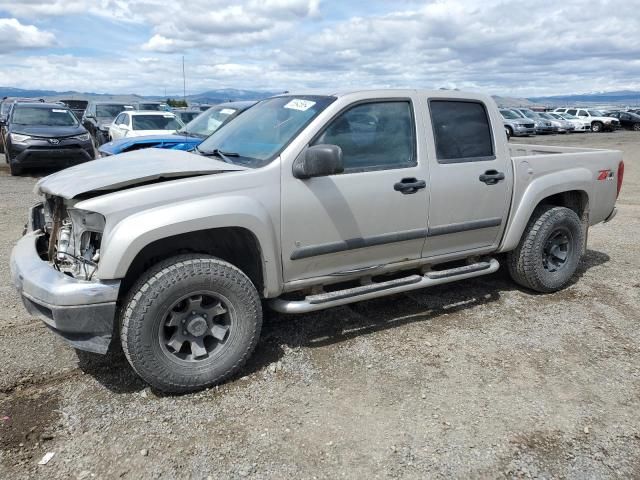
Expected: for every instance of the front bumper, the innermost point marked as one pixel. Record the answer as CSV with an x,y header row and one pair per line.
x,y
523,131
41,154
81,312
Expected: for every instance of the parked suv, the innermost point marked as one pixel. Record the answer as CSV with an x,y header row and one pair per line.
x,y
599,121
98,117
45,135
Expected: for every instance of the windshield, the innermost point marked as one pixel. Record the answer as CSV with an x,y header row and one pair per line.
x,y
111,110
509,114
55,117
149,106
258,135
595,113
156,122
529,113
546,116
208,122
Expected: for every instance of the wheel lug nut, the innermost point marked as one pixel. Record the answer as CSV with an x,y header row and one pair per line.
x,y
184,321
184,332
205,315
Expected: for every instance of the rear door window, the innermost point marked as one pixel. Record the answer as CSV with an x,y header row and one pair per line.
x,y
462,131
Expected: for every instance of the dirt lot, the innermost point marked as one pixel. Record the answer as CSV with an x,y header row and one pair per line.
x,y
476,379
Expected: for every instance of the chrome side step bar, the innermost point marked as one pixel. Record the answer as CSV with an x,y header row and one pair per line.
x,y
380,289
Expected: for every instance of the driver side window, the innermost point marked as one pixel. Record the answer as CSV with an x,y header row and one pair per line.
x,y
373,136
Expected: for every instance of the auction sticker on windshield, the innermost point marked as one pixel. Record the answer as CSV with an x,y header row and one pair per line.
x,y
55,110
227,111
299,104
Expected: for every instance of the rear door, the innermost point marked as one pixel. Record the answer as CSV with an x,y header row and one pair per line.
x,y
470,177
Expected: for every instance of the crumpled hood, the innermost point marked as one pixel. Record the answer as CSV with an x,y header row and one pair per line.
x,y
129,169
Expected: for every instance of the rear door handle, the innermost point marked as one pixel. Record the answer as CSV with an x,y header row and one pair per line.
x,y
409,185
491,177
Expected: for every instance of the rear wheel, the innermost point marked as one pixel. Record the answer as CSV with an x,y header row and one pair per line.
x,y
596,127
190,322
550,250
636,127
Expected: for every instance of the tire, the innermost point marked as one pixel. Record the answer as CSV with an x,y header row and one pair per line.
x,y
188,286
636,127
533,265
509,132
14,169
597,127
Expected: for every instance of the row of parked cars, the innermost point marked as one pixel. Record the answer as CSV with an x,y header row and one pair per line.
x,y
40,134
520,122
43,134
524,121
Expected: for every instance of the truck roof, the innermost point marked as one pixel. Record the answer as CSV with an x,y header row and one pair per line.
x,y
382,92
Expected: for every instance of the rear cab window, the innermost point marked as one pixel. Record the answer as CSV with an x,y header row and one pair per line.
x,y
461,130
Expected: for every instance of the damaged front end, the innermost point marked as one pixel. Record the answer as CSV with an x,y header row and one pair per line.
x,y
54,269
71,237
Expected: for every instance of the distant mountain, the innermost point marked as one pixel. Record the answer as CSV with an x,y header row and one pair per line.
x,y
512,102
626,97
208,97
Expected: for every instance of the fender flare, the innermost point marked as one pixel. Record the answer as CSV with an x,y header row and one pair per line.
x,y
577,179
123,241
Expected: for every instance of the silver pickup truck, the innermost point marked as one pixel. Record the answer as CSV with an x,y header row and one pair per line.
x,y
304,202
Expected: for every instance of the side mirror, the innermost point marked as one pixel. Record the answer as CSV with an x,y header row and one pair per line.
x,y
319,161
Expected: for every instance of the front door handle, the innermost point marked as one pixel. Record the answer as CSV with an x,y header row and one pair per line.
x,y
409,185
491,177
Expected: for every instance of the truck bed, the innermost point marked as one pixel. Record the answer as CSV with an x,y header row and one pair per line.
x,y
526,150
541,171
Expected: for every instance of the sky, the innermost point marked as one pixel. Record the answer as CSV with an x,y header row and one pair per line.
x,y
512,48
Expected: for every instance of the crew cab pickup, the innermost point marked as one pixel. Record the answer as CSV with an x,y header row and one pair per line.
x,y
304,202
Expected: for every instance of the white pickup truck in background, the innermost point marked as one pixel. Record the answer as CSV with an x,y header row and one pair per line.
x,y
306,202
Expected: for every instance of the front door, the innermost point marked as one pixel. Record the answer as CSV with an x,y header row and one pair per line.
x,y
469,176
372,214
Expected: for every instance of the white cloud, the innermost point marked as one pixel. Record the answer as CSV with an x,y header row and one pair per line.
x,y
515,48
16,36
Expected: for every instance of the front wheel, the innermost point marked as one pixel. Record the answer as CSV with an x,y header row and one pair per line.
x,y
549,251
509,132
14,169
190,322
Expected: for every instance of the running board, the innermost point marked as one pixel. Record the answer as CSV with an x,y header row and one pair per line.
x,y
380,289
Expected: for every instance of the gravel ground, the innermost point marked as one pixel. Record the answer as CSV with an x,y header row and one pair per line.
x,y
478,379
